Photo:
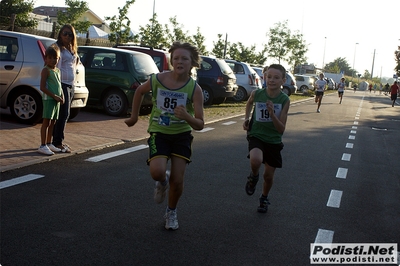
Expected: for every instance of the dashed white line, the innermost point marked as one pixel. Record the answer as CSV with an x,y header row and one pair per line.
x,y
341,173
352,137
349,145
19,180
115,153
353,132
324,236
229,123
346,157
205,129
334,198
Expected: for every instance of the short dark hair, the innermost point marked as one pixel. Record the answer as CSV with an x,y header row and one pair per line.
x,y
52,51
280,68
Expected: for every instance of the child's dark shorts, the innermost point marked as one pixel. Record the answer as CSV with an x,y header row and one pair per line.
x,y
393,97
271,152
319,93
167,145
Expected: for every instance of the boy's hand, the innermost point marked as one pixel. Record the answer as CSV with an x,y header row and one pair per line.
x,y
130,121
180,112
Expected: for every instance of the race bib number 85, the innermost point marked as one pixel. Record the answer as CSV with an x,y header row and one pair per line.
x,y
168,100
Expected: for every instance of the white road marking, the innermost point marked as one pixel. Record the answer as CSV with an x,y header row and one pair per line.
x,y
354,127
341,173
346,157
334,198
19,180
349,145
116,153
205,129
324,236
353,132
229,123
352,137
355,123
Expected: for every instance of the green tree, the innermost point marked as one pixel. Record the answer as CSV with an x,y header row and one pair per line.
x,y
260,57
366,74
177,33
283,46
339,65
397,59
298,50
152,34
21,10
198,41
74,11
219,47
238,51
120,26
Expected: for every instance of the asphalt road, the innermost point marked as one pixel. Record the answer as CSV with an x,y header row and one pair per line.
x,y
88,210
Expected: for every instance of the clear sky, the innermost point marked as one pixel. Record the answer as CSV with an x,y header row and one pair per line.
x,y
330,28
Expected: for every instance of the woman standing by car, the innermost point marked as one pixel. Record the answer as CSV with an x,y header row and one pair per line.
x,y
69,59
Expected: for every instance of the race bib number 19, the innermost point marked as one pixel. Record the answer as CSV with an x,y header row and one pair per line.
x,y
262,114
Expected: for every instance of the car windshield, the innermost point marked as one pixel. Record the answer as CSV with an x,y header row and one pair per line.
x,y
144,64
224,66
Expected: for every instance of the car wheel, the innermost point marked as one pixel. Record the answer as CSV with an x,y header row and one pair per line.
x,y
73,112
115,103
286,90
241,95
303,88
26,106
207,95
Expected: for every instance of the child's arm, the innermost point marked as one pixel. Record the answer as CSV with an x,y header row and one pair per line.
x,y
43,79
196,122
137,101
279,122
249,107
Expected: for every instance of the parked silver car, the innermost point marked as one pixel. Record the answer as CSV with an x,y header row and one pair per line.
x,y
21,62
246,78
304,82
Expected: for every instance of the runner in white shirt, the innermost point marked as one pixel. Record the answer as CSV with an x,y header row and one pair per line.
x,y
340,90
320,86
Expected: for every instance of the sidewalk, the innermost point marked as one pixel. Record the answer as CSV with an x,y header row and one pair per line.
x,y
19,143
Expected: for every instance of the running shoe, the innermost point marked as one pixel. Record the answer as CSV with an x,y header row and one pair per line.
x,y
171,219
264,202
251,184
160,191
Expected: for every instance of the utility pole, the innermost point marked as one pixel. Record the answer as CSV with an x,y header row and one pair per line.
x,y
226,44
323,58
354,60
373,61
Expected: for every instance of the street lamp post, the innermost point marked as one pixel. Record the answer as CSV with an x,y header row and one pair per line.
x,y
372,70
323,58
154,9
354,60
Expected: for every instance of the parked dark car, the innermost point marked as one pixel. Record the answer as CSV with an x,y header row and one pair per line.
x,y
113,75
216,79
290,86
160,57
